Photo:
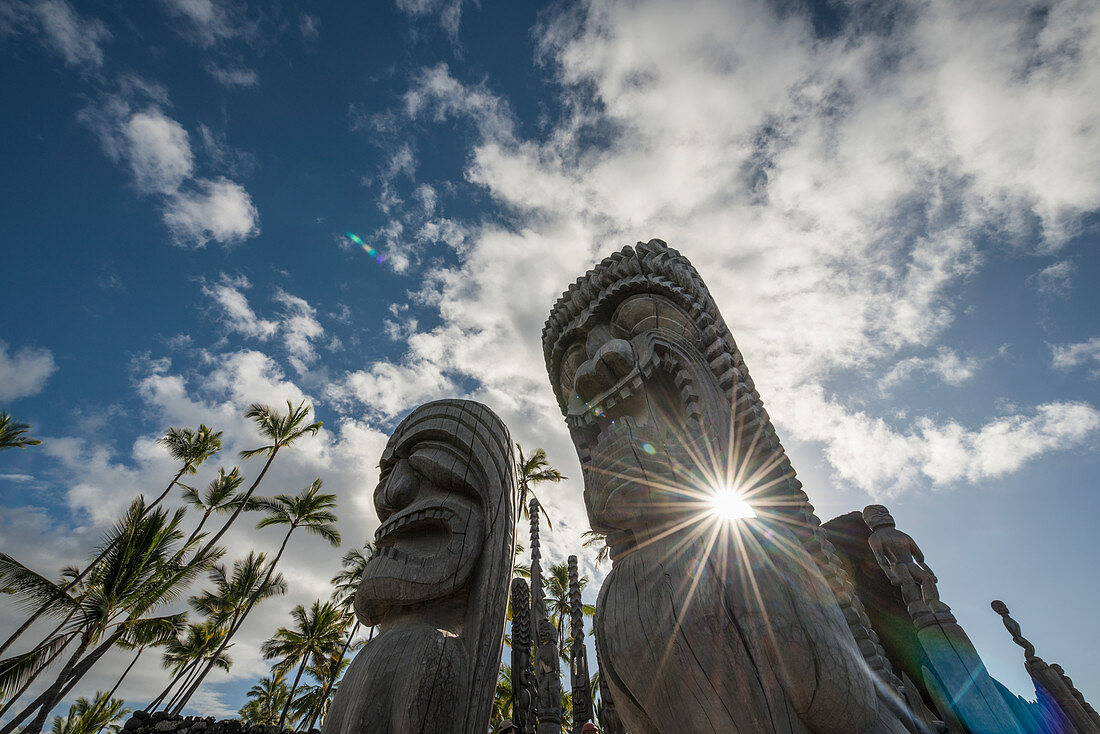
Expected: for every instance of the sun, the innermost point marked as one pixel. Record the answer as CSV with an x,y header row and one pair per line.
x,y
728,504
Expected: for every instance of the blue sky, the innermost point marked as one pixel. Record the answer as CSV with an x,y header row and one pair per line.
x,y
895,205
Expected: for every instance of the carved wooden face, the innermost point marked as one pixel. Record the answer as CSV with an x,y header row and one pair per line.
x,y
644,410
431,504
877,516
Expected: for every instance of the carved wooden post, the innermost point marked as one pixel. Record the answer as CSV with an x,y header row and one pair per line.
x,y
438,585
547,662
523,685
1065,711
657,396
582,693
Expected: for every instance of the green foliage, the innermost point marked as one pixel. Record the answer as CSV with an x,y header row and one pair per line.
x,y
90,717
535,469
12,434
266,700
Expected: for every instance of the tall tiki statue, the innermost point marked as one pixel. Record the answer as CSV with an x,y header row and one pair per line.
x,y
437,586
704,624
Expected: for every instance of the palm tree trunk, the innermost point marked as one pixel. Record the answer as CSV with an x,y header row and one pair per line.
x,y
34,676
240,620
176,678
35,727
47,694
192,671
198,528
80,577
240,507
290,698
125,672
335,672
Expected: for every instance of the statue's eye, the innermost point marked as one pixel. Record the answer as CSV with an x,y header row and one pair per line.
x,y
572,360
647,311
437,463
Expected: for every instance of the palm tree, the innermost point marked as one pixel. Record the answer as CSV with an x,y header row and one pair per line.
x,y
266,700
312,702
145,566
198,644
502,699
12,434
141,640
33,593
281,431
90,717
249,581
596,538
220,496
557,601
316,635
187,446
346,583
533,470
310,510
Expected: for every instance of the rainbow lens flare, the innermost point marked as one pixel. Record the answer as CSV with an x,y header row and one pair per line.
x,y
378,256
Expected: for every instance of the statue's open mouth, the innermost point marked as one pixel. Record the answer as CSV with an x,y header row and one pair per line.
x,y
643,437
423,532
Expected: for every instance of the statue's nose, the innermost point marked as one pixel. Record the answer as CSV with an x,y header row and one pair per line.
x,y
400,490
612,361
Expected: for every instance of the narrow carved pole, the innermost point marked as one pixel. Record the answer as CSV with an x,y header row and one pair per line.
x,y
1065,711
582,696
547,661
523,687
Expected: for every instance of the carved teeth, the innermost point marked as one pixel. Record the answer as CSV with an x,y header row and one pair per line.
x,y
396,523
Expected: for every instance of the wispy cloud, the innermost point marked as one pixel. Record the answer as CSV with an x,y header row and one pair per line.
x,y
947,365
234,76
1054,280
1068,356
235,313
449,12
77,39
158,151
24,372
833,201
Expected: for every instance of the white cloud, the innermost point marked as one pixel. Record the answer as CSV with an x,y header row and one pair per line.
x,y
207,21
231,77
76,38
101,480
1074,355
449,12
236,313
946,365
1054,280
834,202
218,209
24,372
869,453
300,328
159,151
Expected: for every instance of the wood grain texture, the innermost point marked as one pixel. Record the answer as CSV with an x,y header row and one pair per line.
x,y
703,625
438,583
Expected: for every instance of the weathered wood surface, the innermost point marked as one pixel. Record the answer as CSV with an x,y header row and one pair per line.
x,y
967,689
547,664
1066,709
437,586
701,626
578,652
523,683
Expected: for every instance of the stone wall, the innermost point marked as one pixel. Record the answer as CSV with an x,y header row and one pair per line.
x,y
161,722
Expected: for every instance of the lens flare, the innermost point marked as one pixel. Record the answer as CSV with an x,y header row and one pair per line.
x,y
378,256
728,504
